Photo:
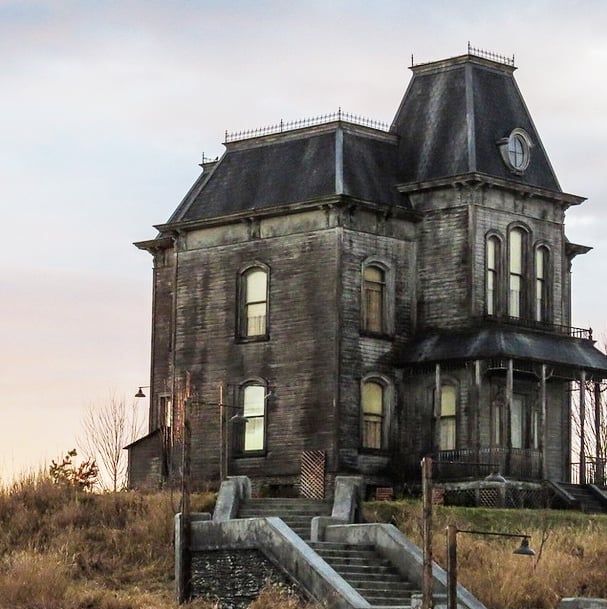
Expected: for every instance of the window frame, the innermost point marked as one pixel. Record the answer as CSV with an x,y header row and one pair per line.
x,y
388,297
239,431
524,274
387,388
241,310
438,420
497,273
545,316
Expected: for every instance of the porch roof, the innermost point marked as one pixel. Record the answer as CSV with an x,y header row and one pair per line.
x,y
489,343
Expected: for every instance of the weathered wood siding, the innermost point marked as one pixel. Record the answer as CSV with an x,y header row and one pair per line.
x,y
362,355
298,362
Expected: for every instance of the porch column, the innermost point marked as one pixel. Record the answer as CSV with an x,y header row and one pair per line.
x,y
543,435
582,475
599,465
437,407
509,395
477,406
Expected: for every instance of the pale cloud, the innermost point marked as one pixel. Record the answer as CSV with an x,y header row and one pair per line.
x,y
107,106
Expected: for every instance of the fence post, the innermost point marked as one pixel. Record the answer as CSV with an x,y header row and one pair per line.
x,y
427,593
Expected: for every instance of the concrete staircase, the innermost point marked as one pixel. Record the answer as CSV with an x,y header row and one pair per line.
x,y
366,571
588,501
296,513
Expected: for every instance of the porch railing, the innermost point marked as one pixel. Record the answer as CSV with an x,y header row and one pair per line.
x,y
585,333
461,464
595,471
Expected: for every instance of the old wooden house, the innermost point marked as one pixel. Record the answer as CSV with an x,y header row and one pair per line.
x,y
342,296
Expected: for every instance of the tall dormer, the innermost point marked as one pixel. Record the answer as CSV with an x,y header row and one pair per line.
x,y
467,115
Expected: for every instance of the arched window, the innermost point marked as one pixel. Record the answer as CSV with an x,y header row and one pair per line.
x,y
516,270
254,412
373,407
541,283
492,277
374,294
254,302
448,418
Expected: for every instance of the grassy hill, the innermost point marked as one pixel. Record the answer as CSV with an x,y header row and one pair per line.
x,y
62,549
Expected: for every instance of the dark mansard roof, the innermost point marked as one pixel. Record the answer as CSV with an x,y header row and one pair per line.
x,y
449,123
334,159
452,116
491,343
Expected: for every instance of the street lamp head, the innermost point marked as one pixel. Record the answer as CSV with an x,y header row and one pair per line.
x,y
524,549
140,393
495,477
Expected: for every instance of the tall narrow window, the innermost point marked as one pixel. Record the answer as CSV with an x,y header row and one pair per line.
x,y
374,288
541,272
492,277
515,304
253,409
448,417
372,415
254,302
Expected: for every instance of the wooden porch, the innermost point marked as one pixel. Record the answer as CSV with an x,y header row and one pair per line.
x,y
471,464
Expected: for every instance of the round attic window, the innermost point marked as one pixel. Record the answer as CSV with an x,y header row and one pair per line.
x,y
516,150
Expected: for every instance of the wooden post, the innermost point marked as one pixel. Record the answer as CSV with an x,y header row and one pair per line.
x,y
183,586
222,442
509,398
451,567
437,408
599,468
478,406
582,474
427,597
543,435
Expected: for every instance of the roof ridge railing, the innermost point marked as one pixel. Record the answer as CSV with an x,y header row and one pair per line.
x,y
321,119
497,57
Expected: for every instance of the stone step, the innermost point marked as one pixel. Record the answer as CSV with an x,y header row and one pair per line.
x,y
354,561
245,512
402,585
329,545
362,578
392,603
287,504
385,598
372,570
331,554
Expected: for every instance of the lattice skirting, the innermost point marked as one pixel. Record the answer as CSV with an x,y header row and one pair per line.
x,y
313,469
492,495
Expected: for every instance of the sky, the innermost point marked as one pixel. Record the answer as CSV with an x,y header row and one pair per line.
x,y
107,107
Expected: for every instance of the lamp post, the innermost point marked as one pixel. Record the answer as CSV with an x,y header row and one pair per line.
x,y
452,531
140,393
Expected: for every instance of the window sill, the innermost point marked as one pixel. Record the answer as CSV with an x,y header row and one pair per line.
x,y
255,454
376,452
262,338
377,335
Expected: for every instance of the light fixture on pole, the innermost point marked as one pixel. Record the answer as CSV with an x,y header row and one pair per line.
x,y
140,393
452,531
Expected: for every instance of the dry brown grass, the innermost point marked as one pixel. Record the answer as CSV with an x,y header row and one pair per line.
x,y
64,549
573,559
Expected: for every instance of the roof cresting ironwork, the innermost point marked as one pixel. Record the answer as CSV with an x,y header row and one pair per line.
x,y
490,55
283,126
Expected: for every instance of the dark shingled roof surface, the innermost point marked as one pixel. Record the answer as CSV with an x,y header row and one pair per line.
x,y
499,108
432,126
448,124
452,117
371,170
498,342
266,176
